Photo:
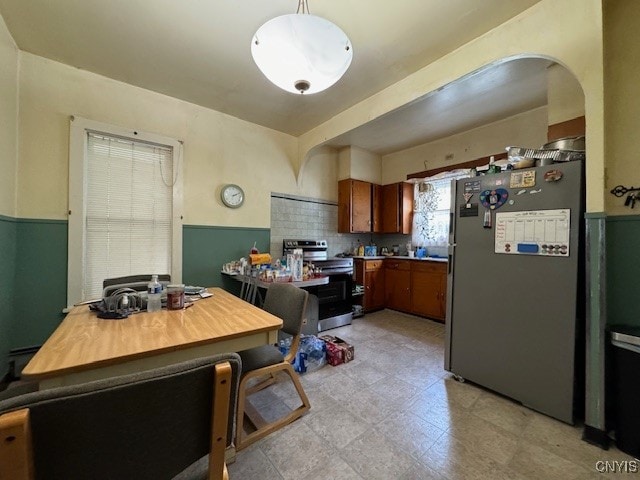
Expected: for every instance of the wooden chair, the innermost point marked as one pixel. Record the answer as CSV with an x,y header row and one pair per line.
x,y
287,302
171,422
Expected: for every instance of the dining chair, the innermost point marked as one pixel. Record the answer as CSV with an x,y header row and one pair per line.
x,y
135,282
260,365
170,422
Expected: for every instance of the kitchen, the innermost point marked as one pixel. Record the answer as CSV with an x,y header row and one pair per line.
x,y
208,223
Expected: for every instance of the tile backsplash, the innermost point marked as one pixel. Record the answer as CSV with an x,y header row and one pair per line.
x,y
314,219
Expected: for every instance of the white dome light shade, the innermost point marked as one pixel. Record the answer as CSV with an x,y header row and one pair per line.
x,y
301,53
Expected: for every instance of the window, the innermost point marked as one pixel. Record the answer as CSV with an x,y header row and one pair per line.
x,y
125,201
431,211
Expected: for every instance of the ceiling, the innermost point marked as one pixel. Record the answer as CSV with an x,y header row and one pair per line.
x,y
199,51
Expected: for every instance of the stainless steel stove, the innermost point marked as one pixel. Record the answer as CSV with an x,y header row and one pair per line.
x,y
330,305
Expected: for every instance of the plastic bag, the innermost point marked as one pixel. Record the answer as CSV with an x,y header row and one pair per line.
x,y
312,354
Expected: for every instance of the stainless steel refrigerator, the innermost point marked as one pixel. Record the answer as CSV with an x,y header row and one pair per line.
x,y
515,306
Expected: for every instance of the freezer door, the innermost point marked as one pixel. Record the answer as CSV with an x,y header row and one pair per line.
x,y
514,318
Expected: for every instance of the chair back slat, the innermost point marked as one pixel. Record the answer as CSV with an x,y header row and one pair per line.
x,y
289,303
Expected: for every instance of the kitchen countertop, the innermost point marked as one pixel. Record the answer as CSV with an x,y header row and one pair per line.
x,y
312,282
402,257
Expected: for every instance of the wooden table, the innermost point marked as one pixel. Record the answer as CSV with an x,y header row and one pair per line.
x,y
85,348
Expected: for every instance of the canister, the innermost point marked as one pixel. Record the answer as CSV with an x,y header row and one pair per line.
x,y
175,297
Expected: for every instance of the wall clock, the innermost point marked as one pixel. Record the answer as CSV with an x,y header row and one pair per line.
x,y
232,195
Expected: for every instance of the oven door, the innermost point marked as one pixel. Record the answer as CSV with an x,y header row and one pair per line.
x,y
334,298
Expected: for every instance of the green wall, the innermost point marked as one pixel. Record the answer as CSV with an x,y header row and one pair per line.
x,y
33,272
33,277
206,249
623,270
7,286
40,280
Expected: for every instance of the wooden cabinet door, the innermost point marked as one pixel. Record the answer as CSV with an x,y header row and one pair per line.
x,y
360,206
374,286
390,208
397,279
354,206
427,294
443,293
344,206
397,208
406,210
376,208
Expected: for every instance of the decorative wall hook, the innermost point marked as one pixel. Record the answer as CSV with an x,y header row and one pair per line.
x,y
621,190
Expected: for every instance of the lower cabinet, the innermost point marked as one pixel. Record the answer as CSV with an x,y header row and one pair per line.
x,y
412,286
397,279
429,289
370,274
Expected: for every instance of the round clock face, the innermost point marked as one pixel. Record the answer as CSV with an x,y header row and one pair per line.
x,y
232,196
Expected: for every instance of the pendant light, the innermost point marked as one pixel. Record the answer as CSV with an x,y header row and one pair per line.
x,y
300,52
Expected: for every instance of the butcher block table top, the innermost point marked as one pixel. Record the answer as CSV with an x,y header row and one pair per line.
x,y
85,347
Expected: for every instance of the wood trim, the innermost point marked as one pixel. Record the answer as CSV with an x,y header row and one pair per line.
x,y
219,419
479,162
570,128
16,460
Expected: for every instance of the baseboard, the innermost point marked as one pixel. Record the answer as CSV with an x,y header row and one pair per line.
x,y
596,437
18,358
5,380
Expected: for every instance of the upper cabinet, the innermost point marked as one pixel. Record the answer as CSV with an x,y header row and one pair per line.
x,y
397,208
376,208
355,206
367,207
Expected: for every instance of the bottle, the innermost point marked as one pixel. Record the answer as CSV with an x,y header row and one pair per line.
x,y
493,168
154,294
124,305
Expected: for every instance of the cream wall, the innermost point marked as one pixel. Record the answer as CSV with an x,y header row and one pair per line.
x,y
568,31
527,129
8,121
218,148
366,165
359,164
564,95
622,97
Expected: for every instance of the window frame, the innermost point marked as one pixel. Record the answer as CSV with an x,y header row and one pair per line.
x,y
79,127
445,179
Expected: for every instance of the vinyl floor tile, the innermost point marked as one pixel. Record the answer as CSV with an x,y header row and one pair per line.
x,y
395,413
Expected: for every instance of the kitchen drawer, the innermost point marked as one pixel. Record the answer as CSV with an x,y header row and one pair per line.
x,y
397,264
427,266
370,265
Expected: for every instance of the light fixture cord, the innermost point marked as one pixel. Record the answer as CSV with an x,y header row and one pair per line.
x,y
302,4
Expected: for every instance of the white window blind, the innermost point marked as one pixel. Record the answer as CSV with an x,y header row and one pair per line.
x,y
128,224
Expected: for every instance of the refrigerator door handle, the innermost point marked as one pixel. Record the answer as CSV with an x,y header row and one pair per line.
x,y
450,253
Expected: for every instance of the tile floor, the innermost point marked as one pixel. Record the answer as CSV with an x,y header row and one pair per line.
x,y
395,413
